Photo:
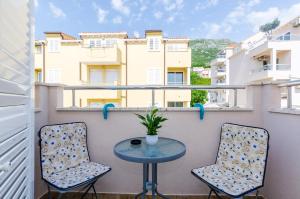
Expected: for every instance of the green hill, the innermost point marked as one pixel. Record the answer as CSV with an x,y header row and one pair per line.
x,y
205,50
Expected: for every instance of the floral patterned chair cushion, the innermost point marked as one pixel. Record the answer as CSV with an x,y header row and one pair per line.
x,y
64,155
241,160
77,175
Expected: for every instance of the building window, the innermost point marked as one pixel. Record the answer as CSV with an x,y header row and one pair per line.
x,y
154,43
53,76
111,77
104,76
96,76
285,37
153,76
53,45
102,43
38,75
92,43
175,78
175,104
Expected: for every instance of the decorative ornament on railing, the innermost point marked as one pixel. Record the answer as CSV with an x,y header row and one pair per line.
x,y
201,107
105,110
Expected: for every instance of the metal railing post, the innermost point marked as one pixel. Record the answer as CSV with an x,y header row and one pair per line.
x,y
289,97
235,97
73,97
153,97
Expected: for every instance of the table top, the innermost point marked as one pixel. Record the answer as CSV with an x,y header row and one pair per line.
x,y
164,150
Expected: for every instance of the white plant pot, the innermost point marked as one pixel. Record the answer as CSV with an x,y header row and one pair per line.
x,y
151,139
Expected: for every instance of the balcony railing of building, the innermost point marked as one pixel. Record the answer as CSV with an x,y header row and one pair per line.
x,y
155,88
269,67
221,56
285,37
221,70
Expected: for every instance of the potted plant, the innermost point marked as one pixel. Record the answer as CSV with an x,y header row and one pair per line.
x,y
152,121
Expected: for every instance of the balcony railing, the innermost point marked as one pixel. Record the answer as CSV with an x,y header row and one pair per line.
x,y
221,56
288,37
155,88
269,67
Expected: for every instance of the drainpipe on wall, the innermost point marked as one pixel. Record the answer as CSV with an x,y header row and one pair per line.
x,y
126,72
44,62
164,72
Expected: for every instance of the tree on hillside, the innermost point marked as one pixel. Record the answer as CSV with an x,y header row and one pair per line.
x,y
269,27
199,96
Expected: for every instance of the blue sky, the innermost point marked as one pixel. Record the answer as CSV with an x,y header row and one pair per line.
x,y
233,19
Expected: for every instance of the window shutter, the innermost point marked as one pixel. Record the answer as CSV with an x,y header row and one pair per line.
x,y
16,103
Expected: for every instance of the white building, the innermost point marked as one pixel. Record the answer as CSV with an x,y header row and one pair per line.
x,y
269,59
220,75
203,72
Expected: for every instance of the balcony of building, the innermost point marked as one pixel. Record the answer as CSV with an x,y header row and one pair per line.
x,y
220,61
201,137
105,55
273,65
178,57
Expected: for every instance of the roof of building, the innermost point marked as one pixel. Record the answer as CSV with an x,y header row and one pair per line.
x,y
151,31
63,35
104,34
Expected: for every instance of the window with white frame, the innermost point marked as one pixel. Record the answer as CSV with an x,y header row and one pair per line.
x,y
103,76
53,75
154,43
96,76
92,43
53,45
153,76
102,43
111,76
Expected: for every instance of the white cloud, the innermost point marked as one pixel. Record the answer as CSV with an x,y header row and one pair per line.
x,y
136,34
213,29
143,8
170,19
158,14
245,14
171,5
101,13
119,6
257,18
205,5
36,3
117,20
56,11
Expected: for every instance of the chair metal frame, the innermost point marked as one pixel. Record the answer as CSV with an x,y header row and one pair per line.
x,y
215,190
87,185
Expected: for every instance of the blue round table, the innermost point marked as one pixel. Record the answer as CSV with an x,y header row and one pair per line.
x,y
164,150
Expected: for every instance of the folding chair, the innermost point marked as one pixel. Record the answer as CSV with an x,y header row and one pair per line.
x,y
241,162
65,161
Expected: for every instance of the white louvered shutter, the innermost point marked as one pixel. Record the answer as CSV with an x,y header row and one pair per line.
x,y
16,106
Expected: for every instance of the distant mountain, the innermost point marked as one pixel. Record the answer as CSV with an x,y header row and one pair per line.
x,y
205,50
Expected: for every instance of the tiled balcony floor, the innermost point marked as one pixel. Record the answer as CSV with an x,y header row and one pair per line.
x,y
127,196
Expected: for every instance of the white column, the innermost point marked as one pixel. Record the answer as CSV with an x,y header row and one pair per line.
x,y
188,78
274,58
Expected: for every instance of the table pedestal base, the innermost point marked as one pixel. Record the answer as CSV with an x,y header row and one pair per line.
x,y
147,185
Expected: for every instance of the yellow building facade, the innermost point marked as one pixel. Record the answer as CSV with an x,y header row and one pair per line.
x,y
112,59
